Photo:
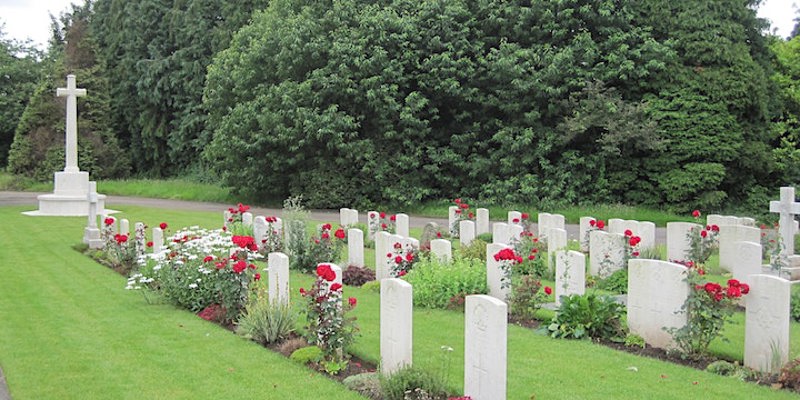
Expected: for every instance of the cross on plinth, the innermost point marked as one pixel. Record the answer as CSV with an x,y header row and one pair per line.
x,y
71,93
787,207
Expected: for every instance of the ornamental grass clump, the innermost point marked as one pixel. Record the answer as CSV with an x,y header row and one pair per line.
x,y
327,324
265,322
707,308
200,268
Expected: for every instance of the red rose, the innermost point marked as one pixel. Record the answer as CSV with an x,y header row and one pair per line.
x,y
149,244
325,235
696,213
438,234
163,225
372,215
635,254
733,283
109,220
393,218
251,266
339,233
470,215
383,226
220,265
601,224
515,220
715,228
525,216
410,257
397,245
592,222
383,215
703,233
302,291
548,290
336,287
734,292
243,208
531,257
458,211
326,227
465,206
239,266
398,260
457,201
628,232
257,276
325,272
352,301
745,288
401,273
208,259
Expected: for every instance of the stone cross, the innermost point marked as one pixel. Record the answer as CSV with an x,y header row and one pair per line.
x,y
71,93
787,208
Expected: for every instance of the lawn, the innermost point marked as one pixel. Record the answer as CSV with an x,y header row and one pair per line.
x,y
70,330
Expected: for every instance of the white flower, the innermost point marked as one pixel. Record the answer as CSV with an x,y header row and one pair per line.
x,y
192,286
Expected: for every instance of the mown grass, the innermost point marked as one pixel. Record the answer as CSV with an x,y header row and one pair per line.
x,y
70,330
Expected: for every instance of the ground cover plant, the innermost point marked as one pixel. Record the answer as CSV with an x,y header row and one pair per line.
x,y
530,355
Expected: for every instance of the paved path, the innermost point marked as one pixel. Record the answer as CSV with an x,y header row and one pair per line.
x,y
29,198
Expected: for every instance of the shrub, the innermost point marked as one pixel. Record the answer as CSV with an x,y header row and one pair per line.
x,y
435,283
372,286
308,354
355,275
486,237
408,379
475,250
633,340
790,375
368,384
264,322
588,315
527,297
722,367
616,282
796,305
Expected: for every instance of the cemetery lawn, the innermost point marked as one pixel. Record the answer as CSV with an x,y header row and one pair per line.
x,y
70,330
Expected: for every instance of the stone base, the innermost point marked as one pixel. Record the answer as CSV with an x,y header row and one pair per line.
x,y
68,206
91,236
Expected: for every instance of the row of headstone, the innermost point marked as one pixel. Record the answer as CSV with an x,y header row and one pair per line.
x,y
645,230
384,245
504,233
606,253
547,221
481,223
720,220
657,291
348,217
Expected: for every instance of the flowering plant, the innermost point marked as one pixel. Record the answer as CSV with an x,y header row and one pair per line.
x,y
200,268
328,326
507,259
631,245
325,247
272,240
707,308
702,241
140,239
594,225
527,297
463,213
380,221
402,259
530,249
524,220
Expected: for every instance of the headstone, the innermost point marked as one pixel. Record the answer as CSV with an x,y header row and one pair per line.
x,y
442,250
451,220
677,239
583,229
723,220
656,292
647,232
140,241
729,235
467,232
748,260
570,274
247,219
514,217
482,221
348,217
606,253
747,221
158,240
558,241
429,232
114,227
485,348
766,338
616,225
543,224
401,225
787,207
355,247
124,227
278,275
226,218
260,227
515,233
413,242
382,248
494,274
396,322
374,224
557,221
91,234
500,233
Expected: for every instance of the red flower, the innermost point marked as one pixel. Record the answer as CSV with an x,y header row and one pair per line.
x,y
393,218
336,287
243,208
271,219
397,245
383,215
458,211
401,273
733,283
704,233
628,232
325,272
389,255
438,234
120,239
163,225
601,224
515,220
372,215
734,292
245,242
339,233
634,241
701,271
525,216
471,215
208,259
108,221
531,257
257,277
220,265
398,260
326,227
239,266
592,222
745,288
325,235
635,254
696,213
149,244
352,301
251,266
410,257
383,226
715,228
717,296
302,291
548,290
457,201
464,206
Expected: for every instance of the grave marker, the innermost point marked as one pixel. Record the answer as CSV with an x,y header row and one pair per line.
x,y
748,260
500,233
482,221
442,250
467,232
656,292
278,276
583,229
787,207
606,253
677,239
766,340
485,348
355,247
570,274
396,323
729,235
401,225
381,250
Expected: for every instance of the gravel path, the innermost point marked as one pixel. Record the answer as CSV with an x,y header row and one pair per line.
x,y
29,198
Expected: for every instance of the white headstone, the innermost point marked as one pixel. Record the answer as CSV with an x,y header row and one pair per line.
x,y
355,247
558,241
494,274
91,234
467,232
451,220
278,275
728,236
514,217
647,232
442,249
382,248
570,274
247,219
515,233
226,217
616,225
482,221
677,239
787,207
583,229
500,233
543,224
344,216
124,227
260,229
401,225
396,321
374,224
158,240
606,253
485,348
656,292
748,260
766,339
557,221
352,217
413,242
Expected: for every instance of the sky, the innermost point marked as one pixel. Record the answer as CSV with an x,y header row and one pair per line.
x,y
30,18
